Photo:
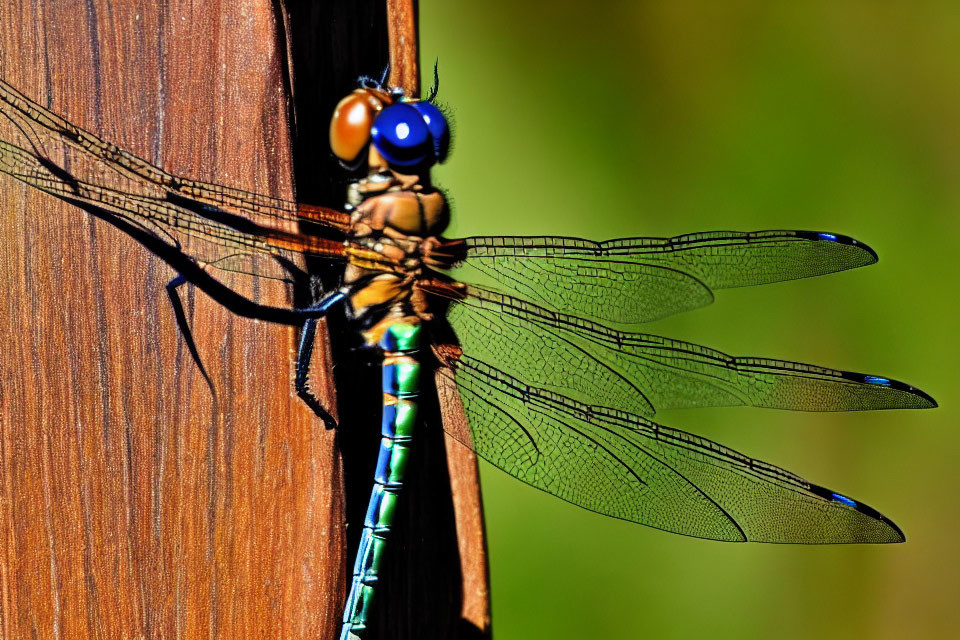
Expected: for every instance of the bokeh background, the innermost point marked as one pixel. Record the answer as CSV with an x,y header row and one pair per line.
x,y
605,119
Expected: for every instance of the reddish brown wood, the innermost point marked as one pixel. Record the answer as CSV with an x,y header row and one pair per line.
x,y
404,45
468,507
133,503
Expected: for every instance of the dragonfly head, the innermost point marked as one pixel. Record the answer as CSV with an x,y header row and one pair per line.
x,y
402,134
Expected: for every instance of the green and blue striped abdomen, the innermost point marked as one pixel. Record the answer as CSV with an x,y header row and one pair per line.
x,y
401,389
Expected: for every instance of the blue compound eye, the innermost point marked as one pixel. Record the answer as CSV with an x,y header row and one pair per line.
x,y
438,126
401,136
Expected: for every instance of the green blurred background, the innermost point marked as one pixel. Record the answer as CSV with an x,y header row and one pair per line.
x,y
603,119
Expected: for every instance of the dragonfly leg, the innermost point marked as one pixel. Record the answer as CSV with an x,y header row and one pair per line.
x,y
184,327
305,353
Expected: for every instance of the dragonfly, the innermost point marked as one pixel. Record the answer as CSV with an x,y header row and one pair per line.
x,y
535,339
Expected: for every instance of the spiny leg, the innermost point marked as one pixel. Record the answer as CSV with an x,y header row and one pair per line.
x,y
184,327
305,352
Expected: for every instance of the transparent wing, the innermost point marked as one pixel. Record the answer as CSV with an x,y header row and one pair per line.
x,y
642,373
227,228
625,466
635,280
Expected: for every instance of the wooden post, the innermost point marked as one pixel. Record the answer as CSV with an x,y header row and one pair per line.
x,y
135,502
404,46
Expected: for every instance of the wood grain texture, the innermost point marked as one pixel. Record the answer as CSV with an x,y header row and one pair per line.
x,y
468,506
404,46
134,502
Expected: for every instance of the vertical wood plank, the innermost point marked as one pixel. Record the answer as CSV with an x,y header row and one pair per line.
x,y
134,502
404,45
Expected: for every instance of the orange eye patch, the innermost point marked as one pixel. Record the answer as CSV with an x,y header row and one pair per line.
x,y
351,122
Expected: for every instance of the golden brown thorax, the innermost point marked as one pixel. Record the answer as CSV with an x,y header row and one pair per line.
x,y
394,215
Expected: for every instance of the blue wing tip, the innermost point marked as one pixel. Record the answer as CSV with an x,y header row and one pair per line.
x,y
865,509
839,238
926,401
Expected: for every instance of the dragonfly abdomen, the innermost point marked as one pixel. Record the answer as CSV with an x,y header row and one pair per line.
x,y
401,390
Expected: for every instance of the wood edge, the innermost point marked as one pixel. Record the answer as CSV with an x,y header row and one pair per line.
x,y
404,46
467,504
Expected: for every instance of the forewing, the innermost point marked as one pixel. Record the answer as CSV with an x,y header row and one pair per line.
x,y
223,227
634,280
